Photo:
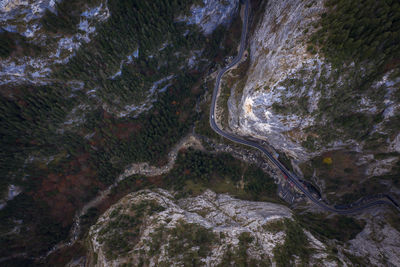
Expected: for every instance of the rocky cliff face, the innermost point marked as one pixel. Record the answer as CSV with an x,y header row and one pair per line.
x,y
287,85
295,98
210,14
157,229
277,51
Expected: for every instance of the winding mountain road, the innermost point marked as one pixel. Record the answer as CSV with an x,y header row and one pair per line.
x,y
385,199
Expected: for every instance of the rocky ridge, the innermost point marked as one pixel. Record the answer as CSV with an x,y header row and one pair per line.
x,y
228,222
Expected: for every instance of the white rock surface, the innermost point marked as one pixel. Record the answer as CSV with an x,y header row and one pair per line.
x,y
277,51
211,13
378,243
23,17
220,213
13,191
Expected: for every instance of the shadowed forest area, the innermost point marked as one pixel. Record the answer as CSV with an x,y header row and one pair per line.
x,y
61,165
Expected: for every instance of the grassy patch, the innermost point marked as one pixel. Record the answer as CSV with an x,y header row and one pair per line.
x,y
222,103
275,226
190,235
285,160
342,176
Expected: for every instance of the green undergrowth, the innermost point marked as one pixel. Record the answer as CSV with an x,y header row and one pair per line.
x,y
121,232
196,171
222,104
239,256
202,125
187,243
274,226
295,244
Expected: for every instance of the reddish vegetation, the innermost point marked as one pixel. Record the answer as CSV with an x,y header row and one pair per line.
x,y
120,130
66,192
34,142
156,180
65,255
124,130
194,72
106,115
69,190
22,103
10,92
392,64
183,116
218,58
196,90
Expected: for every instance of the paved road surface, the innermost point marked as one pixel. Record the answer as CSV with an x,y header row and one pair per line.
x,y
291,177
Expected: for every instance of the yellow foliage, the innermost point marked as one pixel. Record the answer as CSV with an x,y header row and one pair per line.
x,y
327,160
